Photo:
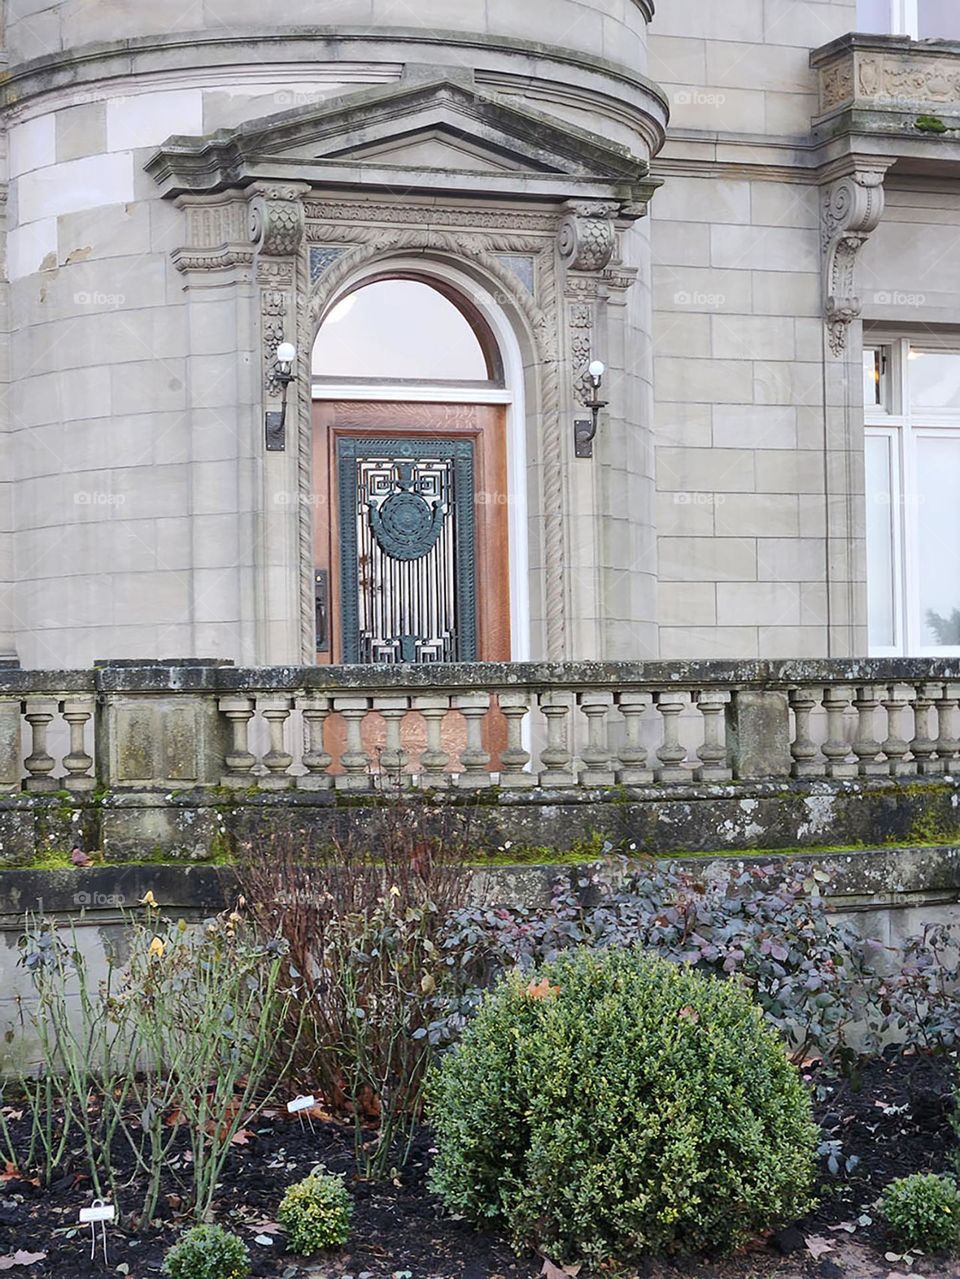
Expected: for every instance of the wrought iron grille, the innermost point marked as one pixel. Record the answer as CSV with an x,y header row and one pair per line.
x,y
408,550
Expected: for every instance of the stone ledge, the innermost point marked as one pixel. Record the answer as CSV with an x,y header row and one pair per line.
x,y
195,825
867,879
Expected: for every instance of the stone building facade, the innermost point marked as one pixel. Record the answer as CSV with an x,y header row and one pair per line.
x,y
451,209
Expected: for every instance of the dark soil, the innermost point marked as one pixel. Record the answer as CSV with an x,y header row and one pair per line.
x,y
892,1120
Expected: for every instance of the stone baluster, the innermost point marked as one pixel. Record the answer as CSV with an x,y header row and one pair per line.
x,y
434,760
805,752
866,747
354,759
474,759
596,755
895,701
713,753
924,744
277,760
514,774
78,711
836,699
556,759
315,710
634,769
393,758
39,712
948,742
11,751
672,754
239,759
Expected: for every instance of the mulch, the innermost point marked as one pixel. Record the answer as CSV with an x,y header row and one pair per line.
x,y
891,1119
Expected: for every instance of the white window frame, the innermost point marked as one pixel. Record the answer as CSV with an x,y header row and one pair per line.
x,y
904,18
900,427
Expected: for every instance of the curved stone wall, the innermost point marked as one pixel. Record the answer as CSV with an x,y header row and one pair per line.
x,y
135,415
611,29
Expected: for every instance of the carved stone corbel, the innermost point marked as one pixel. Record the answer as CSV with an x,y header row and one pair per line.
x,y
851,210
588,235
277,218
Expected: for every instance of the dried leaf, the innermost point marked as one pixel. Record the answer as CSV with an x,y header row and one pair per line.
x,y
12,1173
542,990
687,1013
241,1137
21,1258
817,1246
552,1271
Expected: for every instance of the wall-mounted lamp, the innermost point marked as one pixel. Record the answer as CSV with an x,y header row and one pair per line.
x,y
276,423
584,431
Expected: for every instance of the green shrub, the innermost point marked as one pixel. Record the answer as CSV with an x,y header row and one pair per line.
x,y
923,1211
617,1105
316,1213
208,1252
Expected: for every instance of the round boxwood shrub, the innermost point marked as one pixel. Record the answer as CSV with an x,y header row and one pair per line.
x,y
923,1211
618,1104
208,1252
316,1213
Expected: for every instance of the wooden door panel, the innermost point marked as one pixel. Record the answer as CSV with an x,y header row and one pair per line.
x,y
484,425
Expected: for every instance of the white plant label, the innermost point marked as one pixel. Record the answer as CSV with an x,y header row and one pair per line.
x,y
300,1103
97,1212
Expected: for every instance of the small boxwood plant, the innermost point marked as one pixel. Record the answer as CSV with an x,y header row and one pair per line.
x,y
923,1212
316,1213
616,1104
208,1252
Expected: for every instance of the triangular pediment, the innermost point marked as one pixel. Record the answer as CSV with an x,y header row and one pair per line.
x,y
431,128
436,148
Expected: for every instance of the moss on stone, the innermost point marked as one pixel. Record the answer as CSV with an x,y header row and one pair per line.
x,y
930,124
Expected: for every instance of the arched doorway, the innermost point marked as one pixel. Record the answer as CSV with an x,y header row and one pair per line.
x,y
412,477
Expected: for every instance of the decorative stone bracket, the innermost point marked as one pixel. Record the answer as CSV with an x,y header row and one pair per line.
x,y
587,242
851,210
277,222
588,235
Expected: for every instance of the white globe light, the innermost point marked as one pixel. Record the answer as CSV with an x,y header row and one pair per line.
x,y
286,353
597,370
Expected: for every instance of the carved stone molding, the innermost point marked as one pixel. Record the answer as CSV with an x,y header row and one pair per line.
x,y
217,234
850,212
588,235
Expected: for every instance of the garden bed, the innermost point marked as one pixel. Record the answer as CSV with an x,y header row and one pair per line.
x,y
893,1120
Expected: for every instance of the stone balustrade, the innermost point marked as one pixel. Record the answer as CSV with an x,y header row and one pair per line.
x,y
518,727
898,95
185,759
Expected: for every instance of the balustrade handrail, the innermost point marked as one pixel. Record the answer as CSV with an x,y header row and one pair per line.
x,y
553,725
192,677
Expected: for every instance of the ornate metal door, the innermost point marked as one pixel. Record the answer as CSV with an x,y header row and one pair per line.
x,y
407,549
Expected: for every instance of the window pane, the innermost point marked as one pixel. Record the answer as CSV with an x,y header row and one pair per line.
x,y
938,521
876,393
934,379
873,16
398,329
939,19
881,543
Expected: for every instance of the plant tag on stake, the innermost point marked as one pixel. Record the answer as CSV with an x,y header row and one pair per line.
x,y
102,1212
299,1105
